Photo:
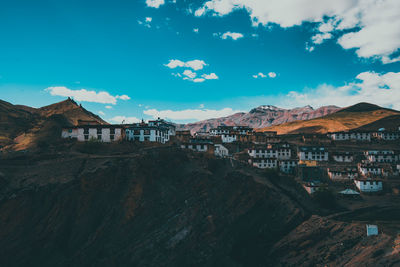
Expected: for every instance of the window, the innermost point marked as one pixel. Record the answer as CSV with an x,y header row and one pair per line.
x,y
112,131
70,130
86,137
86,131
112,137
99,137
98,131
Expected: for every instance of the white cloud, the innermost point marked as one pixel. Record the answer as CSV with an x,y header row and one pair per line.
x,y
123,119
380,89
309,48
101,113
262,75
196,30
149,19
211,76
189,74
321,37
232,35
154,3
193,64
108,107
199,80
374,25
190,114
201,106
83,95
123,97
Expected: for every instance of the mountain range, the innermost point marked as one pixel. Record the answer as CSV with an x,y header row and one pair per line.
x,y
261,117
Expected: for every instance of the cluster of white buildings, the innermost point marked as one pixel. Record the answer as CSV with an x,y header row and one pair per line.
x,y
264,150
158,131
365,136
273,156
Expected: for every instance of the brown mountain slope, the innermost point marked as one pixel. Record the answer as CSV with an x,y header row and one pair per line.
x,y
349,118
71,110
390,123
14,120
22,127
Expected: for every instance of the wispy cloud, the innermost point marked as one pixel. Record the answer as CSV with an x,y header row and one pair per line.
x,y
262,75
232,35
83,95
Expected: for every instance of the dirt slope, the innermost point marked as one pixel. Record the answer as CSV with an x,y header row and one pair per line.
x,y
346,119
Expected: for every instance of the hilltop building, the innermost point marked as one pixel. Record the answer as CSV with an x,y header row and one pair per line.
x,y
144,132
102,133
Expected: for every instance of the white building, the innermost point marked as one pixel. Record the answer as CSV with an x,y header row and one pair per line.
x,y
220,151
342,173
370,170
199,145
387,135
103,133
381,156
343,157
222,129
143,132
352,135
368,185
264,163
313,153
229,137
278,151
162,123
288,165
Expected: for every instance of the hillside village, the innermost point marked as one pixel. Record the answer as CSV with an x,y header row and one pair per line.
x,y
67,167
350,162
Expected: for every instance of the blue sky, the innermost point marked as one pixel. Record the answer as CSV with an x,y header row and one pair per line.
x,y
137,59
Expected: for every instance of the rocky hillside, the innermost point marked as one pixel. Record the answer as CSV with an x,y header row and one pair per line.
x,y
360,116
263,116
22,127
159,207
167,207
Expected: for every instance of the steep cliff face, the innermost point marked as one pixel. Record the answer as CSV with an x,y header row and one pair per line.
x,y
263,116
162,207
167,207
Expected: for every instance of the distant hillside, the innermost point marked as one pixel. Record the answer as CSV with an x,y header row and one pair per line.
x,y
353,117
263,116
22,127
